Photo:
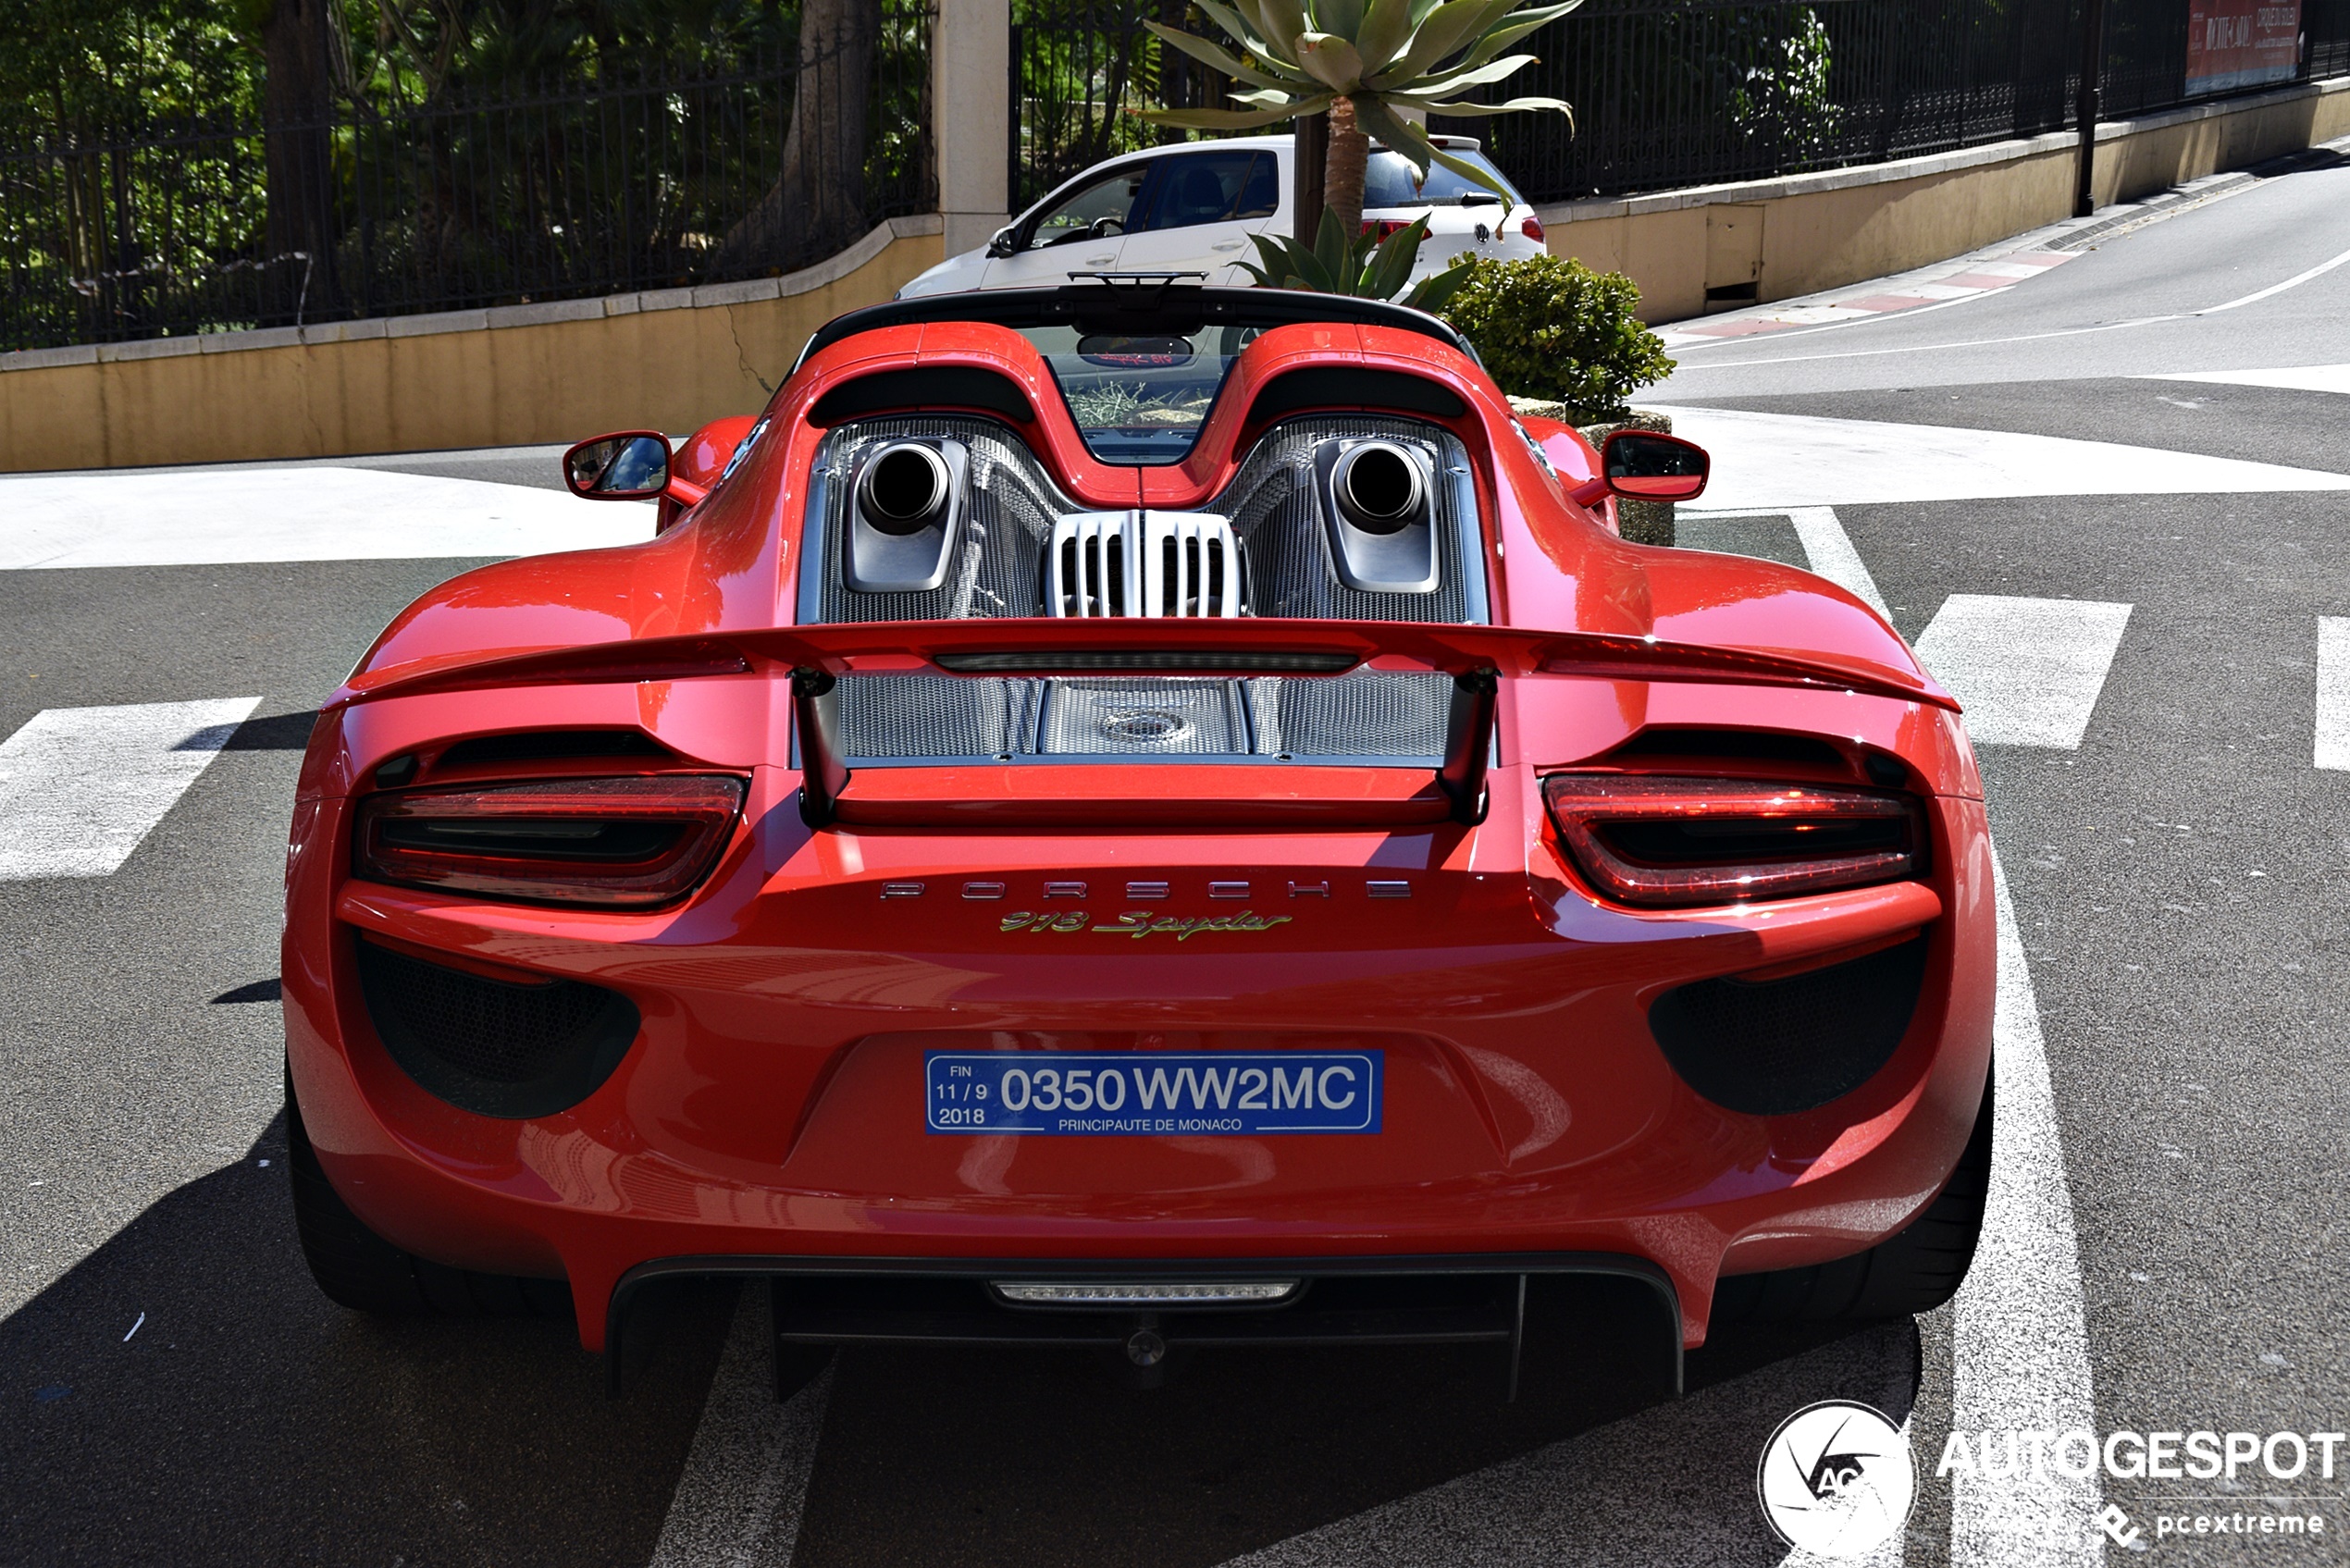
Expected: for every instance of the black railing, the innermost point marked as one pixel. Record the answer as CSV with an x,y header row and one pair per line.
x,y
1079,66
1674,93
567,191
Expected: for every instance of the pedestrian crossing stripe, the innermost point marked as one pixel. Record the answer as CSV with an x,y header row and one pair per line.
x,y
81,788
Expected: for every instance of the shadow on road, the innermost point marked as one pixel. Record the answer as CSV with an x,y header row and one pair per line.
x,y
250,1421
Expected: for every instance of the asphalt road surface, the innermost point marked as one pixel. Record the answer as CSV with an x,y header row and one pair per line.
x,y
2134,574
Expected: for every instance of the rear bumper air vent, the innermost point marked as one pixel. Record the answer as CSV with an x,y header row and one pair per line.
x,y
1176,564
494,1047
1780,1047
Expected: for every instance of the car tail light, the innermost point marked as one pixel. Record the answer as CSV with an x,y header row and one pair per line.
x,y
1532,230
1380,228
1670,842
610,843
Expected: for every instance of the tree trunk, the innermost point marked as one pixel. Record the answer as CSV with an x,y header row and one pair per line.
x,y
297,43
1311,165
816,204
1342,171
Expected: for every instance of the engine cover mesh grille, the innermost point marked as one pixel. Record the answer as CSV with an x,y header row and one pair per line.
x,y
1364,715
1002,571
1157,717
1780,1047
491,1047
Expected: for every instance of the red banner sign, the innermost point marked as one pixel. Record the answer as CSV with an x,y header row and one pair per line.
x,y
2233,43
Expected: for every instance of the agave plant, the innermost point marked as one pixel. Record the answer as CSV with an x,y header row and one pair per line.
x,y
1337,265
1363,62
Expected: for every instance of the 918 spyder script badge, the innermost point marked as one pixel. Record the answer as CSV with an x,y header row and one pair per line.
x,y
1140,924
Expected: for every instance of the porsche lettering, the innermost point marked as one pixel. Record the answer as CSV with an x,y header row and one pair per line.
x,y
1140,924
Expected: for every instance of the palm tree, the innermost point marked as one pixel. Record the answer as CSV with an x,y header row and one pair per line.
x,y
1362,61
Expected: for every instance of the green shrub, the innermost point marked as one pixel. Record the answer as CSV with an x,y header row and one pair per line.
x,y
1551,327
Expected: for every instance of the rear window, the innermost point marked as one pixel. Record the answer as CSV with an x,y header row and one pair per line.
x,y
1140,398
1390,180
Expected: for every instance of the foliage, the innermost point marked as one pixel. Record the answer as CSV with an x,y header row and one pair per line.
x,y
1780,97
1364,61
1359,266
1549,327
1084,71
474,153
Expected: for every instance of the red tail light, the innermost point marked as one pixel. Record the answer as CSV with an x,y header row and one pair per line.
x,y
1532,230
613,843
1383,227
1671,841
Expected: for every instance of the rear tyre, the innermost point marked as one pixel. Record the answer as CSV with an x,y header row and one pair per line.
x,y
1912,1272
359,1269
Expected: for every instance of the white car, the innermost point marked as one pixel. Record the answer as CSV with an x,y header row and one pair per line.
x,y
1193,206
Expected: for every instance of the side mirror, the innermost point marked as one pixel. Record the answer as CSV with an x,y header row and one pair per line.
x,y
630,465
1003,242
1645,465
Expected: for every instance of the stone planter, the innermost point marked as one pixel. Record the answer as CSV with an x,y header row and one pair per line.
x,y
1643,522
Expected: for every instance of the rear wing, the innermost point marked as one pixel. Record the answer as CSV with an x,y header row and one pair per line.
x,y
815,657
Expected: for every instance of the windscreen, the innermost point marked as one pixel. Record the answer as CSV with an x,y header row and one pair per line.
x,y
1140,398
1390,180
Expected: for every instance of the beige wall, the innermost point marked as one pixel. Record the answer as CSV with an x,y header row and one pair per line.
x,y
658,360
1819,231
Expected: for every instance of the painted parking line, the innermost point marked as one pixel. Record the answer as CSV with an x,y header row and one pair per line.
x,y
216,517
2020,1356
2333,751
1779,461
2289,378
738,1503
80,788
1818,535
2026,671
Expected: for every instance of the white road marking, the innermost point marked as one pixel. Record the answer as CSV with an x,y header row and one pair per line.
x,y
223,516
1777,461
2020,1343
2027,671
2296,378
2019,1337
2333,693
1826,546
1679,344
2295,281
80,788
738,1503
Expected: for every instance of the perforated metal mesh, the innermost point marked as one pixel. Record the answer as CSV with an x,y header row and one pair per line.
x,y
1273,510
1145,717
1365,714
1776,1047
489,1047
912,716
1000,571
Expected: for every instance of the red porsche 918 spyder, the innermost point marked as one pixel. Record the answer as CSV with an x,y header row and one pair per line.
x,y
1146,816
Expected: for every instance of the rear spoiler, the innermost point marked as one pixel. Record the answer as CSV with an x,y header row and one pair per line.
x,y
1476,657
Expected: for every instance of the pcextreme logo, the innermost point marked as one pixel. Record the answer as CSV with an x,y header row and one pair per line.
x,y
1837,1479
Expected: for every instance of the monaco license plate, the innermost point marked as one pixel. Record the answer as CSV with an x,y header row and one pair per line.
x,y
1154,1093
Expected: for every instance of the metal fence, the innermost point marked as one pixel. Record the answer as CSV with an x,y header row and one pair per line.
x,y
565,191
1674,93
1079,69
